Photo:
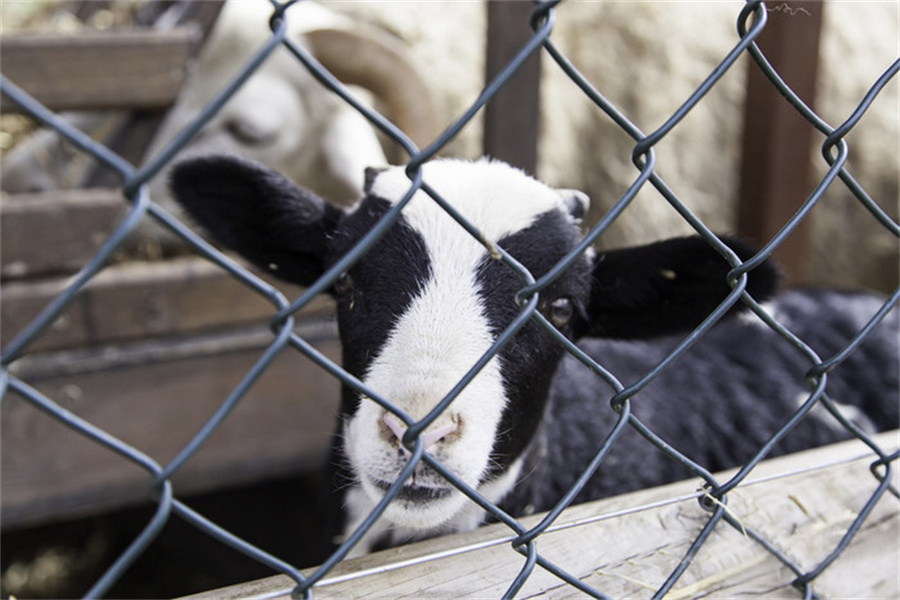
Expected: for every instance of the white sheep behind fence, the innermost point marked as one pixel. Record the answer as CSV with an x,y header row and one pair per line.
x,y
282,116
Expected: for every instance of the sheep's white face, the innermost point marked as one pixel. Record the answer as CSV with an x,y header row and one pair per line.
x,y
437,311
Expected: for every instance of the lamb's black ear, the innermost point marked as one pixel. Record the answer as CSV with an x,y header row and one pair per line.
x,y
667,287
274,224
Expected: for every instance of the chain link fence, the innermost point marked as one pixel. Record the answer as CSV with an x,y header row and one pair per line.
x,y
750,22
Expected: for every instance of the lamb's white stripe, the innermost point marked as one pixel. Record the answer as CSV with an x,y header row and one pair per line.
x,y
497,198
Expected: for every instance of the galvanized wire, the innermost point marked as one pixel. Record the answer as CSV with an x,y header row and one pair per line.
x,y
750,22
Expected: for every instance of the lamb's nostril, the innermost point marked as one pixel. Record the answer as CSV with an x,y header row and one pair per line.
x,y
395,425
398,429
429,438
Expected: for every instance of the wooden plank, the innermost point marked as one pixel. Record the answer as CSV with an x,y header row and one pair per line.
x,y
626,546
55,232
511,118
156,396
777,146
134,300
135,69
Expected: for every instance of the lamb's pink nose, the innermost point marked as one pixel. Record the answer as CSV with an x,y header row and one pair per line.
x,y
429,438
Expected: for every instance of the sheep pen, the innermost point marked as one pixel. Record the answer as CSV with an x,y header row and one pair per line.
x,y
274,349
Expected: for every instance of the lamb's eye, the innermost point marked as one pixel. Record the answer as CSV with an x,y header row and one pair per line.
x,y
561,311
343,284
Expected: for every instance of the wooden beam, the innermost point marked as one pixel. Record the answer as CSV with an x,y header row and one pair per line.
x,y
46,237
133,69
134,300
626,546
55,232
511,119
777,147
156,396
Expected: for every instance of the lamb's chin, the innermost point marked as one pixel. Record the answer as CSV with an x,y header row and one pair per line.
x,y
418,507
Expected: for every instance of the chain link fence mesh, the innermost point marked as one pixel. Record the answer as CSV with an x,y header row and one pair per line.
x,y
749,22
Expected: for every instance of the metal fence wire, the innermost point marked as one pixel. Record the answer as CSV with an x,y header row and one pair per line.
x,y
750,22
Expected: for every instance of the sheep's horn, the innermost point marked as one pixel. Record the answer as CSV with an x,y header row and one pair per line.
x,y
379,63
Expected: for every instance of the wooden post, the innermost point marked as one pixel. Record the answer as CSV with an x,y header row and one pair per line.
x,y
511,119
777,142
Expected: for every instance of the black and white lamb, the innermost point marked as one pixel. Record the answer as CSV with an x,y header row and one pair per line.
x,y
419,310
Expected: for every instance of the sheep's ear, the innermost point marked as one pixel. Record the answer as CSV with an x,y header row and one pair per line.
x,y
576,203
279,227
666,287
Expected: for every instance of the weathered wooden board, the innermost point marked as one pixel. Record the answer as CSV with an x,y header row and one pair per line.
x,y
134,300
156,396
626,546
135,69
55,232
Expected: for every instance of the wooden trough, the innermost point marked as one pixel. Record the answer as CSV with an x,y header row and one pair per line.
x,y
628,545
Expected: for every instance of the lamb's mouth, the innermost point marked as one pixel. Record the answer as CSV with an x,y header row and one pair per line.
x,y
418,494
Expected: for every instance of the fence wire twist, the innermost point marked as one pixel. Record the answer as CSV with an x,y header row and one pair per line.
x,y
750,22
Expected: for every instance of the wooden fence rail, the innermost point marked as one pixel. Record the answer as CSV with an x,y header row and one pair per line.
x,y
135,69
626,546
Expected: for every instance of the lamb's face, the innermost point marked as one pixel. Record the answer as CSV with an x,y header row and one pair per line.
x,y
427,302
418,311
